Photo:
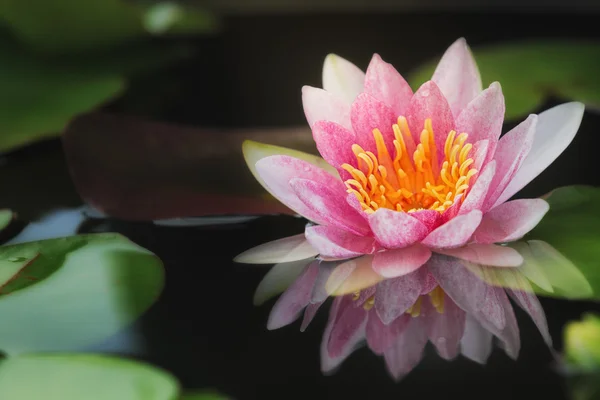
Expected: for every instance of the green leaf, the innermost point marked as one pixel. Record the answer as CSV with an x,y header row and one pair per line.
x,y
40,96
571,226
73,292
93,24
531,71
83,376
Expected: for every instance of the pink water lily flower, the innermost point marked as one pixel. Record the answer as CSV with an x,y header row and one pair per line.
x,y
408,174
442,302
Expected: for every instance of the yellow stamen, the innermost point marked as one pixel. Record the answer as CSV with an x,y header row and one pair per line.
x,y
407,182
369,303
436,296
415,309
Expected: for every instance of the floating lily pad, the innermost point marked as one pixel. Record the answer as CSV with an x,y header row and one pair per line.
x,y
118,163
83,376
532,71
67,293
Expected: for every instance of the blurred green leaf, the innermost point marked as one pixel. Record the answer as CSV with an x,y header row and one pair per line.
x,y
582,343
74,291
39,97
74,25
572,226
203,395
83,376
531,71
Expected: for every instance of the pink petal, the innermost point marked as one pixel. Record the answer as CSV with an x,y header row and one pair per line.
x,y
291,303
430,283
348,329
277,280
512,149
368,113
337,243
480,152
334,143
329,206
444,329
383,82
486,254
430,218
478,192
395,229
407,351
292,248
483,117
457,76
510,221
342,78
429,102
309,314
394,296
555,130
476,343
530,303
321,105
381,337
277,171
398,262
455,232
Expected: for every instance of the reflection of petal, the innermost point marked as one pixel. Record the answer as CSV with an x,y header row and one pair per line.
x,y
309,314
329,360
292,248
395,296
352,276
476,343
407,351
381,337
529,302
446,329
279,278
291,303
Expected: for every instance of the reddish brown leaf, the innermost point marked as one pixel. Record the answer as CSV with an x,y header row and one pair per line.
x,y
142,170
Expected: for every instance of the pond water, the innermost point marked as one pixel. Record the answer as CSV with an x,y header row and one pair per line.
x,y
204,328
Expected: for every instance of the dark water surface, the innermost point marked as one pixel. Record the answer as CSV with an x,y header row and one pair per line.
x,y
204,328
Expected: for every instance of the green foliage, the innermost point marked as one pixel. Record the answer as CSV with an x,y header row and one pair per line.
x,y
63,294
531,71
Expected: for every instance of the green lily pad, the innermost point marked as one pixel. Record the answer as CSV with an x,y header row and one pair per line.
x,y
83,376
572,227
70,25
67,293
39,96
531,71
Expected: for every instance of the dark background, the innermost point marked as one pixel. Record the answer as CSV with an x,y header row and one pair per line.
x,y
205,329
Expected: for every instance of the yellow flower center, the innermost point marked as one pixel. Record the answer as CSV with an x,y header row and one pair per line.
x,y
411,182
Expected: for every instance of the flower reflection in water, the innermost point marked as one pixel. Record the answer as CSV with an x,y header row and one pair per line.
x,y
457,305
